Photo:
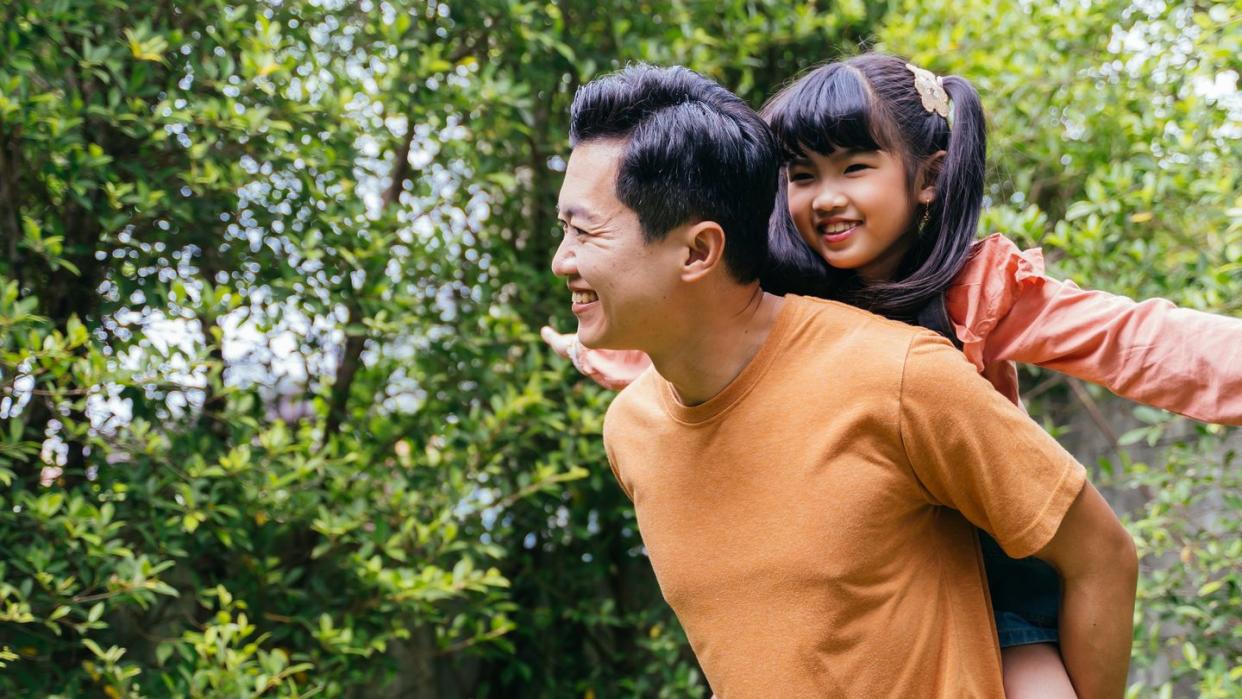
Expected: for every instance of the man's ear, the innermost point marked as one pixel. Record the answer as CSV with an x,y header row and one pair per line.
x,y
704,250
928,174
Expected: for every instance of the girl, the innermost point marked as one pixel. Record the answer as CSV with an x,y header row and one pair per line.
x,y
881,198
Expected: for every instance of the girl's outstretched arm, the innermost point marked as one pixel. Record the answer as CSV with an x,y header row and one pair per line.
x,y
612,369
1005,308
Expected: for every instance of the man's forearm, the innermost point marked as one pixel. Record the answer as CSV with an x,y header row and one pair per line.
x,y
1096,628
1098,565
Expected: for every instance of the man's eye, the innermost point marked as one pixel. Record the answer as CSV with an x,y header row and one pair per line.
x,y
567,229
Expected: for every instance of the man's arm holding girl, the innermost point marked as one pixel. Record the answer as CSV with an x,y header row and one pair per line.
x,y
975,452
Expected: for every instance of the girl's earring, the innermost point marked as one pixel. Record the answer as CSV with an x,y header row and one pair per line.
x,y
923,222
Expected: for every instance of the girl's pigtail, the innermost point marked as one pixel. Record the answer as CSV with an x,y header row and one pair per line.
x,y
959,185
943,244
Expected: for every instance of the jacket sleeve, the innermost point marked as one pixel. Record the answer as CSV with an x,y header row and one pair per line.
x,y
1004,308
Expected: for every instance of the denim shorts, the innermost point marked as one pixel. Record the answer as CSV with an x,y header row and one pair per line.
x,y
1026,595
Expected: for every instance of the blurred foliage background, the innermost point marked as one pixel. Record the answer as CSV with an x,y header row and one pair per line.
x,y
274,418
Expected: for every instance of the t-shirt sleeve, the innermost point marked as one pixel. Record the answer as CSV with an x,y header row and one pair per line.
x,y
612,459
975,452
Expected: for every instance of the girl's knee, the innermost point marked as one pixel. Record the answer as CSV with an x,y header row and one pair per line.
x,y
1035,671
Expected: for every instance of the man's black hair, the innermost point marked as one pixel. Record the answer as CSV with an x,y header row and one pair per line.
x,y
693,152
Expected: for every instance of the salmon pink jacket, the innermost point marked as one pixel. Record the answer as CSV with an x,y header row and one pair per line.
x,y
1004,309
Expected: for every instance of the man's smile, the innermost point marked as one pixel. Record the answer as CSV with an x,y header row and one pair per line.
x,y
582,299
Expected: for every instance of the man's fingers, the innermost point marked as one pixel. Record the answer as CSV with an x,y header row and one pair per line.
x,y
558,342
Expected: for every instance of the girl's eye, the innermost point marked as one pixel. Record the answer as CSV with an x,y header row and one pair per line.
x,y
799,176
856,167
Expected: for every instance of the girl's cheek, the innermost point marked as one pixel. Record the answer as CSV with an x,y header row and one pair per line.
x,y
795,212
801,219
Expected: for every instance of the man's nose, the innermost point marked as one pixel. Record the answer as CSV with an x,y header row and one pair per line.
x,y
563,261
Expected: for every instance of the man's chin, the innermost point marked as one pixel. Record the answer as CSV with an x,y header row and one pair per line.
x,y
591,342
596,340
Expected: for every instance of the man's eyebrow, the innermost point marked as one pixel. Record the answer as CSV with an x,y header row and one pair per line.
x,y
575,212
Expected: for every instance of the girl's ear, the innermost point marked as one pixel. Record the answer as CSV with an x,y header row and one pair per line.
x,y
704,246
928,174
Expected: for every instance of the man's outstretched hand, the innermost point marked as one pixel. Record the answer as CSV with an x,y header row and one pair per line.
x,y
612,369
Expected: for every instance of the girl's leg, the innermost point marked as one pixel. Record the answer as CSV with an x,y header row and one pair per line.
x,y
1026,597
1035,671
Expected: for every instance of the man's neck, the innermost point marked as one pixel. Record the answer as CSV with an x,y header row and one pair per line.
x,y
718,344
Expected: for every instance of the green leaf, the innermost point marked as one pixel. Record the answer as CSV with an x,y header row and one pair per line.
x,y
94,648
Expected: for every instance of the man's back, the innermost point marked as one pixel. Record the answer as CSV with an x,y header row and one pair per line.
x,y
803,523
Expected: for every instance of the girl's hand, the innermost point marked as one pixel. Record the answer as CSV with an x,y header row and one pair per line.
x,y
612,369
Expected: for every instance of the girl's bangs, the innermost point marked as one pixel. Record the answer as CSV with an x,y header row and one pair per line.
x,y
827,110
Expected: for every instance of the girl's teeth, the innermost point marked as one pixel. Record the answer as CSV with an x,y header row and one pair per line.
x,y
584,297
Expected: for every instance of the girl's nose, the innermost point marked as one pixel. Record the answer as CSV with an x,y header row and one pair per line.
x,y
828,198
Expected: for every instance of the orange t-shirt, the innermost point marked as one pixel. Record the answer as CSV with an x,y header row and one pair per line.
x,y
811,524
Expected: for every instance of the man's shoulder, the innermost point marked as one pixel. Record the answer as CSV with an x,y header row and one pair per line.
x,y
879,353
936,376
636,405
835,313
831,327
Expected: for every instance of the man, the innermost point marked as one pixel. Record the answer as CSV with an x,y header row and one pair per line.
x,y
805,474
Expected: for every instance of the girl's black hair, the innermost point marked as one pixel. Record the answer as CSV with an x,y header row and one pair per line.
x,y
869,102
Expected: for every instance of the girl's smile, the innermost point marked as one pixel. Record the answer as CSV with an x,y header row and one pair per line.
x,y
836,231
852,208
